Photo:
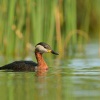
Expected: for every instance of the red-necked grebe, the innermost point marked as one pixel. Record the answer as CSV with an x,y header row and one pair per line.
x,y
40,48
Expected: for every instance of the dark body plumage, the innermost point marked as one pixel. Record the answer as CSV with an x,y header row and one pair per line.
x,y
20,66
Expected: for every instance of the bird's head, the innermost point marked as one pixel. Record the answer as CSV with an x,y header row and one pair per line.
x,y
44,48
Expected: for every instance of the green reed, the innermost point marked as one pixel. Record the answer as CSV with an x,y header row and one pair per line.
x,y
60,23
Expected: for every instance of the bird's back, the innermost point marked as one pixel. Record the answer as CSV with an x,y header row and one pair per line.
x,y
20,66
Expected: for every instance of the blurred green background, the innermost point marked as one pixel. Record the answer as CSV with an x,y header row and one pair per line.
x,y
70,27
64,24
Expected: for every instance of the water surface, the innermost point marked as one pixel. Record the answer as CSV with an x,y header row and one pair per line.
x,y
76,78
73,79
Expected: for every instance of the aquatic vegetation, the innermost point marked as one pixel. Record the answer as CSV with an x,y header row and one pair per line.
x,y
64,24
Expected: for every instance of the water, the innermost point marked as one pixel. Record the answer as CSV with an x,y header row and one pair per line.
x,y
76,78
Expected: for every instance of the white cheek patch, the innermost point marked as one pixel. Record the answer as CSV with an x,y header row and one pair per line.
x,y
41,49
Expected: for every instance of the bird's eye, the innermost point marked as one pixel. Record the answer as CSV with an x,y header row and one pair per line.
x,y
45,47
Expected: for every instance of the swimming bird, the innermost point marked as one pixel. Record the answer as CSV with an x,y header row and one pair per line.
x,y
40,48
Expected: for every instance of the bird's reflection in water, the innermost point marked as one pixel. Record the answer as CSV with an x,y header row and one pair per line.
x,y
41,73
37,73
41,84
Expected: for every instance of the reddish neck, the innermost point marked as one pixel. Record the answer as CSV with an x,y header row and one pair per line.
x,y
41,62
